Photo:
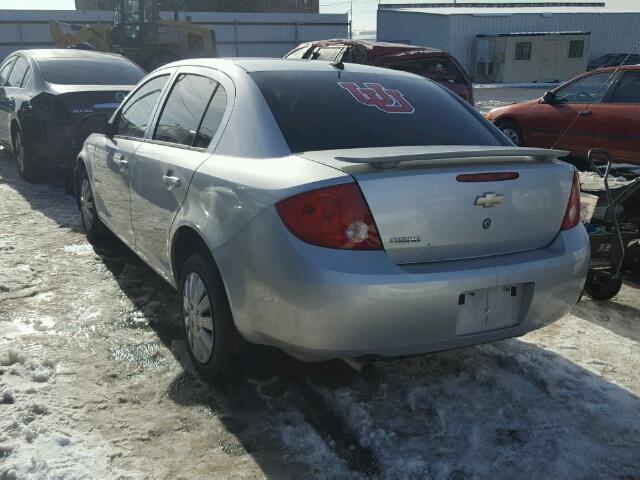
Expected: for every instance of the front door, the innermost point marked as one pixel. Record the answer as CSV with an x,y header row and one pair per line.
x,y
114,157
165,164
568,122
618,120
548,61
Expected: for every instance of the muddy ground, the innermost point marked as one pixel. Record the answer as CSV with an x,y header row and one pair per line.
x,y
95,382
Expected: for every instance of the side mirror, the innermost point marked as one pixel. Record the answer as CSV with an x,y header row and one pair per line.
x,y
96,123
549,97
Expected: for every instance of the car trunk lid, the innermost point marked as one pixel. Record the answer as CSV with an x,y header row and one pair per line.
x,y
83,100
424,212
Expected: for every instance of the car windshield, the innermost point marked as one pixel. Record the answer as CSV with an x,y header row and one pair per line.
x,y
90,71
327,110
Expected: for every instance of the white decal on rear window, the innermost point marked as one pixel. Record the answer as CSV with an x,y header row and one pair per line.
x,y
375,95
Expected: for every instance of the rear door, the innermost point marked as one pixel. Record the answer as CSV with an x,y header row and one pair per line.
x,y
179,143
113,158
618,120
567,123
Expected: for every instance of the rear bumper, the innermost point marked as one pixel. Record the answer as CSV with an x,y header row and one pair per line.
x,y
319,303
56,148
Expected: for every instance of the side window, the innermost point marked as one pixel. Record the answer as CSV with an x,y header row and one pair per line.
x,y
628,90
136,113
212,118
589,89
184,109
299,53
27,78
327,53
5,70
17,73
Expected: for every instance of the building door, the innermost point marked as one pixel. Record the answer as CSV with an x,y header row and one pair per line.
x,y
548,61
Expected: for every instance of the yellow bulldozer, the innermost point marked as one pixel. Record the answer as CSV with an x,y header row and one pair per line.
x,y
138,33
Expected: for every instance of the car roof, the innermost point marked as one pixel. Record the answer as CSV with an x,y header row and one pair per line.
x,y
374,45
613,69
260,64
49,53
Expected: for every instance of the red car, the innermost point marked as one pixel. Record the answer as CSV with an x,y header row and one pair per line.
x,y
436,65
598,109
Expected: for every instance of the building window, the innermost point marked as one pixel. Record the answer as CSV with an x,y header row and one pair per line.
x,y
523,51
576,48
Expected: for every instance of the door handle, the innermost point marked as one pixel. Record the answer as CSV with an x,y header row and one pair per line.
x,y
170,181
586,113
120,161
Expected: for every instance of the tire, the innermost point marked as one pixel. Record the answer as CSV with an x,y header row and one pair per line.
x,y
512,131
24,161
600,286
214,344
94,229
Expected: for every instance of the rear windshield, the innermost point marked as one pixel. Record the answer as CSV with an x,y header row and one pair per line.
x,y
439,69
90,71
327,110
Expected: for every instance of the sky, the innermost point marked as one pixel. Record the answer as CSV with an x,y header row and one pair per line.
x,y
364,11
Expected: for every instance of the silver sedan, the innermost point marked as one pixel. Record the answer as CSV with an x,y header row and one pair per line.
x,y
331,210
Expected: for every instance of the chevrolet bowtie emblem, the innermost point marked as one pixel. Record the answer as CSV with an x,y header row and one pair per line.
x,y
488,200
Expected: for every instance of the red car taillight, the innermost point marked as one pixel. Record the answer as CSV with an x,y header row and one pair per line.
x,y
572,214
332,217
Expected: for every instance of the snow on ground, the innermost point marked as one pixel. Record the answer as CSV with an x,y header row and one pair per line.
x,y
489,98
95,382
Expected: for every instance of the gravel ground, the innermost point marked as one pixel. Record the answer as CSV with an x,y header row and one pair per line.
x,y
95,382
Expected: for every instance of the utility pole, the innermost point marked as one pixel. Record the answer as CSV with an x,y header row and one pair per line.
x,y
351,19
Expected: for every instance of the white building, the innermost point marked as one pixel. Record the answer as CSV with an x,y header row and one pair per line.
x,y
541,46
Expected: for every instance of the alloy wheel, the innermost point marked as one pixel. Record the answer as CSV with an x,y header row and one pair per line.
x,y
512,135
198,317
19,151
86,204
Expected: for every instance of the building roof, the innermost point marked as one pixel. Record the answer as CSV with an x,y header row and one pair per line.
x,y
500,12
531,34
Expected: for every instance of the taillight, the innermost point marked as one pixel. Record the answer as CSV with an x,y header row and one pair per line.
x,y
332,217
572,214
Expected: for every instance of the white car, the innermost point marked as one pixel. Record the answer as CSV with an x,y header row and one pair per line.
x,y
332,210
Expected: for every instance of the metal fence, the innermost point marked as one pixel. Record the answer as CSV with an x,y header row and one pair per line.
x,y
238,34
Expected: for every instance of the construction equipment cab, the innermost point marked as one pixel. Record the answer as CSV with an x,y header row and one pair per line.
x,y
139,33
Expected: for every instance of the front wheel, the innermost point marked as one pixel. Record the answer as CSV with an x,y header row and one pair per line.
x,y
213,342
93,227
511,131
601,286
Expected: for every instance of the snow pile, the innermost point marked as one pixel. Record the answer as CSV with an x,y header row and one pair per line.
x,y
305,443
79,249
592,181
540,85
37,438
503,410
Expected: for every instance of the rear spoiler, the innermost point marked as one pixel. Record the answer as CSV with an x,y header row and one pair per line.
x,y
463,153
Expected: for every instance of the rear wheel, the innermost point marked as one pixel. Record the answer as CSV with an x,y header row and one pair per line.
x,y
23,159
213,342
601,286
511,131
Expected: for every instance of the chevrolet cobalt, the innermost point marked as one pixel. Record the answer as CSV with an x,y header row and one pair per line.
x,y
332,210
